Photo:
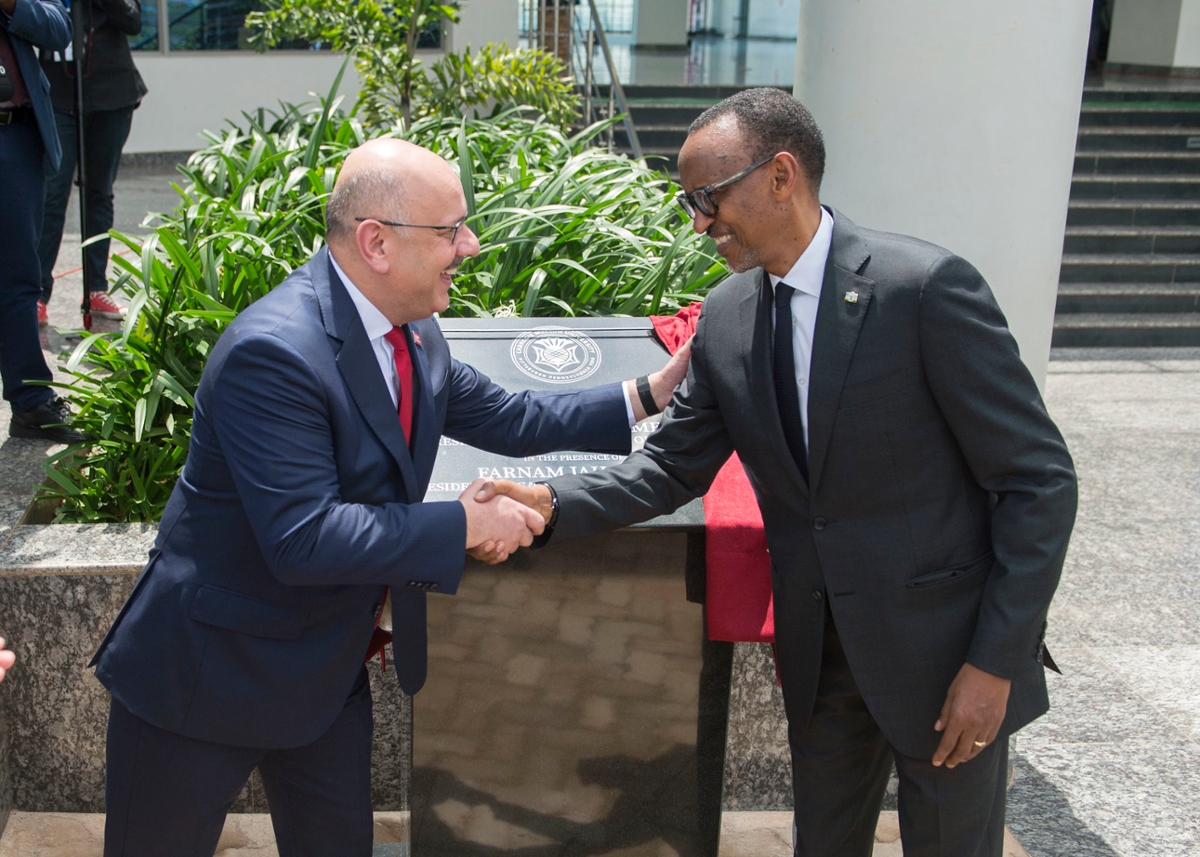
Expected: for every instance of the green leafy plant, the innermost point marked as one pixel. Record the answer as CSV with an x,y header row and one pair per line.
x,y
566,230
382,37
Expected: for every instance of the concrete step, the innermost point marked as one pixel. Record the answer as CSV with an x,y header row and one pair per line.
x,y
1135,187
1128,298
1149,139
1129,268
1139,212
1183,114
1095,95
677,94
654,137
1128,163
1130,240
1125,330
669,115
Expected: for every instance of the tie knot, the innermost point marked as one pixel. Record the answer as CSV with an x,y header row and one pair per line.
x,y
783,294
396,337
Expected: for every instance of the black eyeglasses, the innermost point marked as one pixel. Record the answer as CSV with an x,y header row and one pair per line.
x,y
701,199
453,229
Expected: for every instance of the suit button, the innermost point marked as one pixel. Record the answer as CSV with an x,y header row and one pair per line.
x,y
412,584
378,610
817,596
433,587
818,523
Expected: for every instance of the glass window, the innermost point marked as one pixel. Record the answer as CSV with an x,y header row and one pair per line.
x,y
147,39
219,25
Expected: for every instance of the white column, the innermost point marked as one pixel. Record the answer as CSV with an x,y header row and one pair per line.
x,y
660,22
1144,32
955,121
1187,41
483,21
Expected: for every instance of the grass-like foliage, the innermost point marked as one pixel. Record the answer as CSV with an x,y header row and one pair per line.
x,y
566,230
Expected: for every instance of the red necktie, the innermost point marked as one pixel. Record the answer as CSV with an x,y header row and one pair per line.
x,y
404,372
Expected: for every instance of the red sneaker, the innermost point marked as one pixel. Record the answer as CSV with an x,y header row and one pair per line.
x,y
43,314
103,306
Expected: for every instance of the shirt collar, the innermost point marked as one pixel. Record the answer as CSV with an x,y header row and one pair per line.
x,y
375,322
809,271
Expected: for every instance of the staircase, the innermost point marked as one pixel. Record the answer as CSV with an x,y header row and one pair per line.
x,y
1131,255
662,115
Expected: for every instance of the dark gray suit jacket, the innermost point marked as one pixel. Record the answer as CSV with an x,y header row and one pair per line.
x,y
942,495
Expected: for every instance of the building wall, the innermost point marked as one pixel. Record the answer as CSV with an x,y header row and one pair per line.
x,y
199,90
955,122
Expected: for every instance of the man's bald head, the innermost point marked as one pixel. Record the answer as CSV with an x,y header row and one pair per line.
x,y
378,180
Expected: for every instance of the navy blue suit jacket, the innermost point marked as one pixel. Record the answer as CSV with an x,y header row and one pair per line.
x,y
44,24
299,503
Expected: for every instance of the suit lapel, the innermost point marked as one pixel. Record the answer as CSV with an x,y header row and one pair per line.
x,y
757,313
839,321
360,370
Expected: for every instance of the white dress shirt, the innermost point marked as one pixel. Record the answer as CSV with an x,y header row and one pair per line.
x,y
806,277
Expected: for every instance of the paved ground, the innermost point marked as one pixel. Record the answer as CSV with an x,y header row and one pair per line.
x,y
1114,769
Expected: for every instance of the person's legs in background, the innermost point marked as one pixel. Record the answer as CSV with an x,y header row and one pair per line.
x,y
58,191
21,194
105,133
36,411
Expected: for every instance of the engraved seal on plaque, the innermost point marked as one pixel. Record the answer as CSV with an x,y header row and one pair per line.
x,y
556,355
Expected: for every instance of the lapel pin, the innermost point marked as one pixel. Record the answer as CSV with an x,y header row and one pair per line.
x,y
417,338
851,297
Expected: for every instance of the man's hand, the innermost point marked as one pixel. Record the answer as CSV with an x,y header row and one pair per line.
x,y
7,659
971,715
536,497
497,526
8,7
662,383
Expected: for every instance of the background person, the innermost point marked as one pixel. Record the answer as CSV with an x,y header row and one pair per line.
x,y
28,145
916,496
298,523
112,90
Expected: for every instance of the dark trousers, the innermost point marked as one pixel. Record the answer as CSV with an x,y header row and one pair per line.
x,y
167,795
22,180
104,136
840,765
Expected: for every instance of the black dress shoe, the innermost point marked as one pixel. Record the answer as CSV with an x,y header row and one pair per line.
x,y
48,421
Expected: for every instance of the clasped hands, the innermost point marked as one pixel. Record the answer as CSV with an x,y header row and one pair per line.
x,y
503,516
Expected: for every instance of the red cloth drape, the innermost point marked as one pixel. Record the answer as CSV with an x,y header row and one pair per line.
x,y
738,602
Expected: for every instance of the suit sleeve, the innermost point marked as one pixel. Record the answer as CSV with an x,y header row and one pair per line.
x,y
43,23
275,434
677,464
485,415
1014,451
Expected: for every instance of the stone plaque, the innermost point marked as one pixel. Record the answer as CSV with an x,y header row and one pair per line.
x,y
573,706
550,354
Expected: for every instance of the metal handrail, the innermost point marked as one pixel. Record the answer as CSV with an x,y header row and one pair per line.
x,y
582,35
615,86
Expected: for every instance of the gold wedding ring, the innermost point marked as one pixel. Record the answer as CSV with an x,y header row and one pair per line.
x,y
981,743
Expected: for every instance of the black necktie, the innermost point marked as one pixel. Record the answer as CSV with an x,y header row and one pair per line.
x,y
786,390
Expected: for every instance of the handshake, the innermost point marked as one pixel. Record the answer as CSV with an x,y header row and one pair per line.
x,y
502,516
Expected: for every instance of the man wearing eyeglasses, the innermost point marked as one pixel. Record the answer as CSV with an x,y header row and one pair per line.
x,y
296,542
916,496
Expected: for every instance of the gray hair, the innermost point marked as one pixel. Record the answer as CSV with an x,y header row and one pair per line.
x,y
370,192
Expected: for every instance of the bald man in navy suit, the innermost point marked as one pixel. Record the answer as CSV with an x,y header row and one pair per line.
x,y
297,529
